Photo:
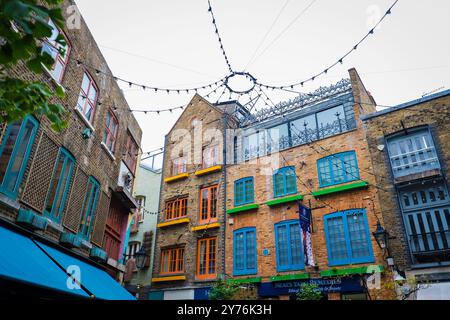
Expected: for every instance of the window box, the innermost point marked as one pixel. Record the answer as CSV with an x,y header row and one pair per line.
x,y
351,271
98,254
245,280
173,222
274,202
346,187
208,171
247,207
206,226
70,240
288,277
171,278
177,177
31,220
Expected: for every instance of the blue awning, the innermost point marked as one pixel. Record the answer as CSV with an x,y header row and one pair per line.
x,y
21,260
97,281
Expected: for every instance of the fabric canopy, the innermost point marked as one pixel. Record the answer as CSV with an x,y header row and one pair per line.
x,y
21,260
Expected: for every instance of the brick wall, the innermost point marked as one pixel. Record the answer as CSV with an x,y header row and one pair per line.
x,y
435,114
182,137
90,157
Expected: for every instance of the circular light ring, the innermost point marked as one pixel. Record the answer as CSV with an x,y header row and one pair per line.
x,y
245,74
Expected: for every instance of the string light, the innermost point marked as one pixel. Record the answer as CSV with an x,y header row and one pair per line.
x,y
340,60
218,37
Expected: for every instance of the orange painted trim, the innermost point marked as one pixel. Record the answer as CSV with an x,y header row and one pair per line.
x,y
173,222
207,256
208,170
172,278
177,177
206,226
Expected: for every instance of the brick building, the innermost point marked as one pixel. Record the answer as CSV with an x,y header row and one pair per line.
x,y
310,153
409,145
189,239
71,191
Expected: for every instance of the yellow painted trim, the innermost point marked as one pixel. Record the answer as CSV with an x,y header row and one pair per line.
x,y
173,222
172,278
177,177
206,226
208,170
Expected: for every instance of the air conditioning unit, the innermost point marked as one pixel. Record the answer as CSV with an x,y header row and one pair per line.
x,y
98,255
31,220
70,240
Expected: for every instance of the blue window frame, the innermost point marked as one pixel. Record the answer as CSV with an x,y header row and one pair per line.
x,y
244,191
348,237
89,207
284,182
59,187
289,246
244,252
338,168
14,154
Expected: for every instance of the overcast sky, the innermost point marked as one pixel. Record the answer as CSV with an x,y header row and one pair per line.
x,y
172,43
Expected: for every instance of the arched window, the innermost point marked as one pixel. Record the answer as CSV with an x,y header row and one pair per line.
x,y
338,168
284,182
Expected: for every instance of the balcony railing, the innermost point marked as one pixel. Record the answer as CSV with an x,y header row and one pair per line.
x,y
431,246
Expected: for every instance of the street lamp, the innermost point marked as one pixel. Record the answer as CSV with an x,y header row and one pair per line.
x,y
140,257
381,236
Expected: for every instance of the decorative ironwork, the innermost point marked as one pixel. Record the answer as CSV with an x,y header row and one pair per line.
x,y
321,94
297,138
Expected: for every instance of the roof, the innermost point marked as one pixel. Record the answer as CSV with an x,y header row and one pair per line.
x,y
407,104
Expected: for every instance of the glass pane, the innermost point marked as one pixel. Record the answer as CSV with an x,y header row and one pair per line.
x,y
278,137
8,147
202,258
279,184
304,130
212,257
55,182
290,181
239,192
331,121
239,251
249,190
296,244
358,235
85,84
282,246
336,237
250,249
18,161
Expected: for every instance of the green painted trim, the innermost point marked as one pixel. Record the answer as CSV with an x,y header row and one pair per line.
x,y
245,280
275,202
345,187
247,207
287,277
350,271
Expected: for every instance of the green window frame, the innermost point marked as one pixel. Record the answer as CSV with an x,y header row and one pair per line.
x,y
89,207
59,186
15,151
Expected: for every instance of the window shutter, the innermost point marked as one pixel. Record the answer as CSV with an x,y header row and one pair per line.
x,y
71,219
41,171
100,219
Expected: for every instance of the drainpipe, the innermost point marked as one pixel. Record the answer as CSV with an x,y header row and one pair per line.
x,y
224,203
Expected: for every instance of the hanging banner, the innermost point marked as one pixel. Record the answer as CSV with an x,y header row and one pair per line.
x,y
305,225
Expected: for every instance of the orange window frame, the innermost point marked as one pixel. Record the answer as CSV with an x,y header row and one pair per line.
x,y
209,258
179,165
176,209
212,154
208,208
175,261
